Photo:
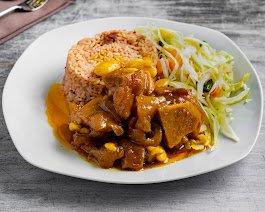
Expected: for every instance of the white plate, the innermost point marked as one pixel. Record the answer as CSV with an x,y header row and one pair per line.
x,y
43,62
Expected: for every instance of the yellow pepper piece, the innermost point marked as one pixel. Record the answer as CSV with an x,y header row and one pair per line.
x,y
131,70
106,67
205,138
162,158
197,147
193,144
152,70
158,152
154,150
73,126
144,64
162,82
139,63
110,146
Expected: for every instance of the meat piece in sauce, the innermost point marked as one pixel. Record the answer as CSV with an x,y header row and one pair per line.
x,y
80,116
124,85
97,134
181,95
118,84
146,109
123,99
105,157
102,122
178,120
174,95
138,136
98,120
118,78
134,156
81,139
82,143
142,83
107,105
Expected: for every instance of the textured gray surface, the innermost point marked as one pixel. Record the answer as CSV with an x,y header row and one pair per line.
x,y
240,187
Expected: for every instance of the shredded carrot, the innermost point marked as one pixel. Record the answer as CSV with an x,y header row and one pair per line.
x,y
178,58
159,68
216,92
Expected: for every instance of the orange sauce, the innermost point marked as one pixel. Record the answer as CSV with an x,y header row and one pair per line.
x,y
58,111
181,154
173,157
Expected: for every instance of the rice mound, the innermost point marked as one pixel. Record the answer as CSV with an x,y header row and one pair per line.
x,y
80,84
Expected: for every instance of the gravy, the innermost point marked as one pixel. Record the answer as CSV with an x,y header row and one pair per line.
x,y
58,111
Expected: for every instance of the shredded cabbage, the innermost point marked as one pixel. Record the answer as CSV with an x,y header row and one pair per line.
x,y
201,65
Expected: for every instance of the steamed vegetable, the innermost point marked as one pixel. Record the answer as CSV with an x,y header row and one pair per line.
x,y
190,63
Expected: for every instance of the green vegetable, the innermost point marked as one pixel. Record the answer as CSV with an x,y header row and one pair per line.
x,y
160,43
204,70
208,85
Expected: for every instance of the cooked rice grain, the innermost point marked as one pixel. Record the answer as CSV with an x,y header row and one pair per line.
x,y
80,83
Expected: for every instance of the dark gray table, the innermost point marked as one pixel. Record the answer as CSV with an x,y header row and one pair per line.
x,y
239,187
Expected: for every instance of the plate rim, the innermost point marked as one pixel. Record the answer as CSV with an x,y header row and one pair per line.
x,y
149,181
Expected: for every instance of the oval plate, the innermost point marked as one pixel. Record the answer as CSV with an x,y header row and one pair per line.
x,y
44,61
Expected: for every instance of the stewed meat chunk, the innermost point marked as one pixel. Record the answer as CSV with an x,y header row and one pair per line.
x,y
146,109
106,155
134,156
178,120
